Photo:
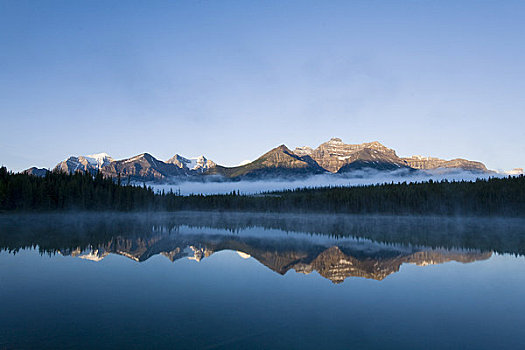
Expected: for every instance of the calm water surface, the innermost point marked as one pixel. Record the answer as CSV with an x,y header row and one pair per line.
x,y
217,281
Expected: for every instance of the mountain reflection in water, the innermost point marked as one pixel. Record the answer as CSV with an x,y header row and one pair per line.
x,y
337,247
333,259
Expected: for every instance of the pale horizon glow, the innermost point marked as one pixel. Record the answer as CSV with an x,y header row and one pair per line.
x,y
232,80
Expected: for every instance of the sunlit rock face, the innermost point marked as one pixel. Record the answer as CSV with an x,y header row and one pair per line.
x,y
337,266
199,253
335,154
94,255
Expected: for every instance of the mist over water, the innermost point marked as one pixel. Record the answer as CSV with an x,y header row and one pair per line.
x,y
51,232
356,178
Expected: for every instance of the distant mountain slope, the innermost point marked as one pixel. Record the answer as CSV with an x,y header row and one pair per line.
x,y
144,167
418,162
280,161
36,171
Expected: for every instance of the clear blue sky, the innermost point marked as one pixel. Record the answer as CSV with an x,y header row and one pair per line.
x,y
231,80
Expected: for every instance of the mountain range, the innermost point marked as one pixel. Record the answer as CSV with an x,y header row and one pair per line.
x,y
333,156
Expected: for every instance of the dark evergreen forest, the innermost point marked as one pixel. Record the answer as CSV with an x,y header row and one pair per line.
x,y
84,192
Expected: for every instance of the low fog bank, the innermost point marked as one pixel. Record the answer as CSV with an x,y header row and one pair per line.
x,y
368,177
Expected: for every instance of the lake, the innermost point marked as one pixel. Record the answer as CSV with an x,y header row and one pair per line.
x,y
260,281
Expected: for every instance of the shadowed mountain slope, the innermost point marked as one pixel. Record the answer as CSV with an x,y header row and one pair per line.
x,y
373,159
36,171
280,161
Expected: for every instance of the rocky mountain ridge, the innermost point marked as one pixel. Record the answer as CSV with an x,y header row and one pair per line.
x,y
335,154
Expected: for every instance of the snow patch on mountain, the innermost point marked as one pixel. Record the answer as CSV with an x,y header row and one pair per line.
x,y
244,162
98,160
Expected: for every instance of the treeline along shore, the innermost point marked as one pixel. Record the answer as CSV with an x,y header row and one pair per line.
x,y
58,191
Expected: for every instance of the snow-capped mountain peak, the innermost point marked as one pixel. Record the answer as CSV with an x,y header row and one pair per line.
x,y
199,164
98,160
91,163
